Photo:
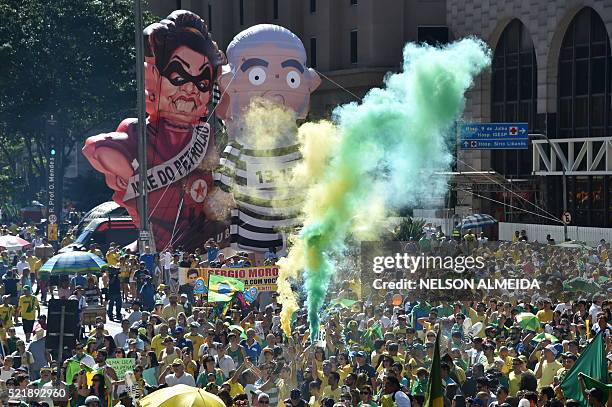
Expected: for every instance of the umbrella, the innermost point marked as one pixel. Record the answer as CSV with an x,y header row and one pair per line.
x,y
344,303
580,284
73,263
544,336
181,395
239,329
528,321
10,242
477,220
574,244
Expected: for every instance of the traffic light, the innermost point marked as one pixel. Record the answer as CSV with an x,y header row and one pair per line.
x,y
55,172
52,137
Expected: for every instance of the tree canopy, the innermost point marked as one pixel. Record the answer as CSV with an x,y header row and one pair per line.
x,y
74,60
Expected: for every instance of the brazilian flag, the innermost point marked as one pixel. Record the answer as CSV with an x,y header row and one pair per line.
x,y
592,364
590,383
222,288
372,333
435,394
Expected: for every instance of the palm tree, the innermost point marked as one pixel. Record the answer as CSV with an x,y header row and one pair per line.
x,y
409,230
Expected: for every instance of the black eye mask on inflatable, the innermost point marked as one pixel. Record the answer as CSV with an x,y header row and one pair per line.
x,y
203,81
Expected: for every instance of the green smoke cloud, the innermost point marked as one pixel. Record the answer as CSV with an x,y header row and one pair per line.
x,y
385,152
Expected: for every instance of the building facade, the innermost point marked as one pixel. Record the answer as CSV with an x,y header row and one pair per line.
x,y
350,42
552,68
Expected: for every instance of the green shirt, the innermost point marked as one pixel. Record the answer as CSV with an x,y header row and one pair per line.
x,y
445,311
419,387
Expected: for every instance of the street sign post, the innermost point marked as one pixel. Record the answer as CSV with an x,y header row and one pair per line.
x,y
494,136
62,330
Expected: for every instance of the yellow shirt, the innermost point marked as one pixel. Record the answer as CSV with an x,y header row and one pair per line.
x,y
514,382
172,312
28,304
197,340
284,391
461,376
124,271
332,394
7,312
191,368
168,358
412,366
157,344
319,366
235,388
549,371
545,316
343,371
34,263
507,367
112,258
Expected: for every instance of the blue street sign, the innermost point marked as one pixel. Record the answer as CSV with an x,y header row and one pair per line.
x,y
508,144
494,136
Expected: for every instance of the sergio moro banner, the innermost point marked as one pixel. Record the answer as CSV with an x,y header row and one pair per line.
x,y
263,278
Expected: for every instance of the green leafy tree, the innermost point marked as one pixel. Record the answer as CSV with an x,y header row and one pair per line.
x,y
74,60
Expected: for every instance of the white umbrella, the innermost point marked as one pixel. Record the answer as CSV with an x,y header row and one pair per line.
x,y
13,243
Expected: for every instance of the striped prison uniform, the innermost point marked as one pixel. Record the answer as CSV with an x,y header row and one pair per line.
x,y
265,202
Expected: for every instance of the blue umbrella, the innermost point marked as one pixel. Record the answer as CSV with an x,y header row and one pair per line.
x,y
76,262
477,220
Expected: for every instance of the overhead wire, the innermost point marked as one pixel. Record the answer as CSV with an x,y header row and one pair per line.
x,y
508,189
338,85
511,206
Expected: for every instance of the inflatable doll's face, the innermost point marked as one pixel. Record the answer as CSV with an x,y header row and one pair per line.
x,y
272,72
184,87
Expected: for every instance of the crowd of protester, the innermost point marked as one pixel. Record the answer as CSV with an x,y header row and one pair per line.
x,y
374,348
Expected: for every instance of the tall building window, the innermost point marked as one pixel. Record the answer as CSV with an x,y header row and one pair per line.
x,y
354,47
275,9
513,93
313,52
210,17
241,11
313,6
353,2
584,78
584,110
